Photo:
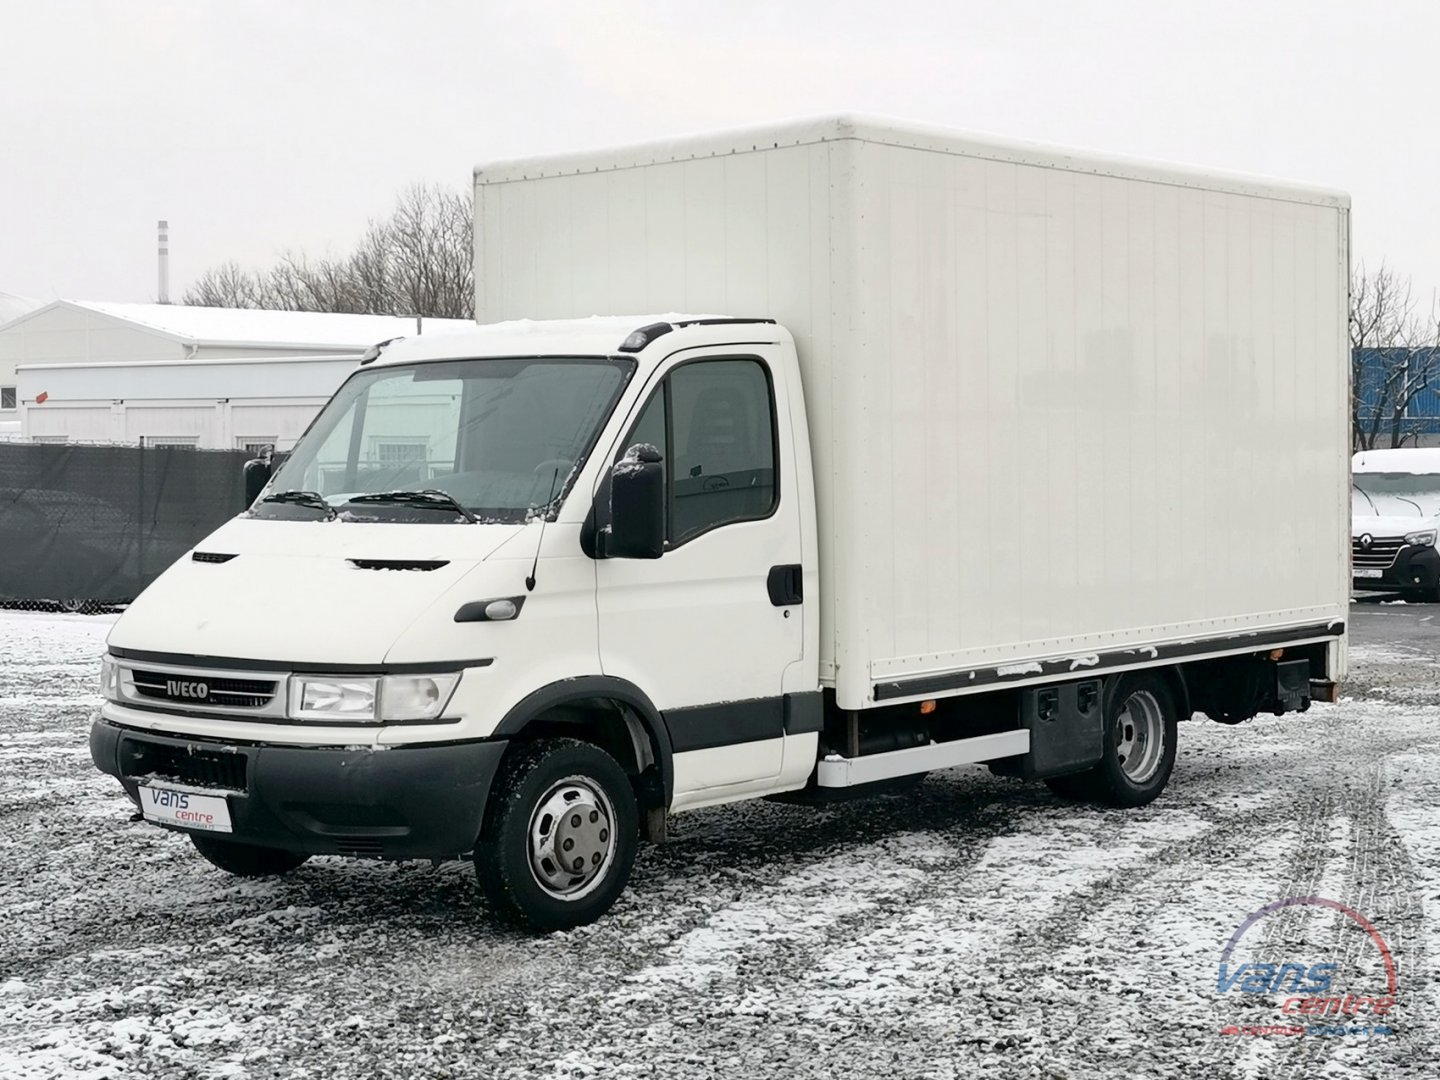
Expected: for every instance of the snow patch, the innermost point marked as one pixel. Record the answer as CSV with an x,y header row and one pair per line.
x,y
1019,669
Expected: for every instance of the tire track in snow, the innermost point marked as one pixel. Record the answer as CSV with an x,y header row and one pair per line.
x,y
1278,934
1417,826
1148,934
855,977
870,982
1377,880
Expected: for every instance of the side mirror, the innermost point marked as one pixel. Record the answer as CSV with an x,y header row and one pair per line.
x,y
637,505
257,475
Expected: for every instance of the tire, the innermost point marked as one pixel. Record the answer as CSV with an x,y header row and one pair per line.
x,y
246,860
1133,770
530,813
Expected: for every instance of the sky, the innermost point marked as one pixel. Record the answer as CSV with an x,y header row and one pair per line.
x,y
257,126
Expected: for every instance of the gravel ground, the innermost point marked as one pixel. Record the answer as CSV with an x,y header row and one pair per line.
x,y
976,927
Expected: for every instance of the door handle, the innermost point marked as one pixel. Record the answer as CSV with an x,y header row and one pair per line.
x,y
786,585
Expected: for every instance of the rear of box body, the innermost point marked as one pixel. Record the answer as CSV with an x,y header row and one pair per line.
x,y
1059,406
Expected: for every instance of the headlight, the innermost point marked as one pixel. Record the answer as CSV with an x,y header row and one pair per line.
x,y
368,700
1421,539
109,679
415,697
333,699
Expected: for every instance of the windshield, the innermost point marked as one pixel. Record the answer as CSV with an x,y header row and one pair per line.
x,y
501,438
1396,494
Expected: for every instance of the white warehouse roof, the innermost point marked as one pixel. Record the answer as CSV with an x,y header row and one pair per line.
x,y
263,329
12,306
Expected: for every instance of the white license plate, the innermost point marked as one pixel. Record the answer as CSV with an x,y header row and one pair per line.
x,y
1367,572
188,809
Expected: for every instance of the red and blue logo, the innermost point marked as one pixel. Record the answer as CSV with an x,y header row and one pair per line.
x,y
1311,997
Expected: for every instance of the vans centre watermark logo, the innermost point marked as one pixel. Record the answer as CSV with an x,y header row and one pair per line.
x,y
1313,997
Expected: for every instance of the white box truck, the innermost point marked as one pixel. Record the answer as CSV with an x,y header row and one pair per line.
x,y
934,450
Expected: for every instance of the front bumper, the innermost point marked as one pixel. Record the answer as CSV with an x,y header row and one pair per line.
x,y
1413,568
403,802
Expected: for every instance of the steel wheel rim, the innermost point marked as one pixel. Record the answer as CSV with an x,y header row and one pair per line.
x,y
571,838
1140,736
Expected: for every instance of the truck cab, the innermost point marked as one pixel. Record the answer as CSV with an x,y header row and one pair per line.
x,y
464,549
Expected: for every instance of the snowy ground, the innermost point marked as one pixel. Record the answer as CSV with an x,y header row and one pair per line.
x,y
976,927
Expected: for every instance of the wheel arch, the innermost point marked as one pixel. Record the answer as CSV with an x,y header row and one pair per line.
x,y
602,707
1174,677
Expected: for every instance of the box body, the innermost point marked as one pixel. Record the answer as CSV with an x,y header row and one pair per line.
x,y
1059,405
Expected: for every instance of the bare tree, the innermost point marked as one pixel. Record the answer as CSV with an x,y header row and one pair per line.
x,y
418,261
226,285
431,252
1394,356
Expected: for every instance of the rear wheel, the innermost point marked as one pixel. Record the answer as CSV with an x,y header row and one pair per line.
x,y
1138,748
246,860
560,835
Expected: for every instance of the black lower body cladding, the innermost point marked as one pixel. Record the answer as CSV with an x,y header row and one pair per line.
x,y
403,802
1415,568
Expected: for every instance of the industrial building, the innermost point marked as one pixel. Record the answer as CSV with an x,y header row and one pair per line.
x,y
11,308
171,375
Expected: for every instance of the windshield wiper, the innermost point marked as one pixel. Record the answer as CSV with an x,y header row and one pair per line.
x,y
429,498
312,499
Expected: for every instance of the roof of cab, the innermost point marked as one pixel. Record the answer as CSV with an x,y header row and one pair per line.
x,y
599,335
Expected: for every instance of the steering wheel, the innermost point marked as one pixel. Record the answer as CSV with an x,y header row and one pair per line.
x,y
545,467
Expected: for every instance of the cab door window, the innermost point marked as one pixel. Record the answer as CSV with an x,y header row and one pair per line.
x,y
713,422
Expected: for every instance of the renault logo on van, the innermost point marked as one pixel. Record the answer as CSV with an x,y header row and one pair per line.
x,y
177,688
1366,541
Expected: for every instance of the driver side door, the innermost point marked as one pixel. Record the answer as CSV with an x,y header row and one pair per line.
x,y
697,628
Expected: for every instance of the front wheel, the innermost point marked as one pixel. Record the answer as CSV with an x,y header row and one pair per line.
x,y
246,860
560,835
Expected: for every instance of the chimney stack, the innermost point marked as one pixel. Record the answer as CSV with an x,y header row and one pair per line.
x,y
164,262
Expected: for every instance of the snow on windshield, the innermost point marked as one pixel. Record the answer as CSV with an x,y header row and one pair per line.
x,y
1396,494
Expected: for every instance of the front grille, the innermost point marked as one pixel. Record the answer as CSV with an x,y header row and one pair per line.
x,y
202,689
1379,555
203,768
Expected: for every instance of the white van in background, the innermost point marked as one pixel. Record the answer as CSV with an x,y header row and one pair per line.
x,y
998,457
1394,520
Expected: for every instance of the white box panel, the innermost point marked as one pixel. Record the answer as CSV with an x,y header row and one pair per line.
x,y
1059,404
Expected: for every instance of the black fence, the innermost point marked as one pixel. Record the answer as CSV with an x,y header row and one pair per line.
x,y
87,526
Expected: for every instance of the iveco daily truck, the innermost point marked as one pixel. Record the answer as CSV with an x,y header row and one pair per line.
x,y
796,462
